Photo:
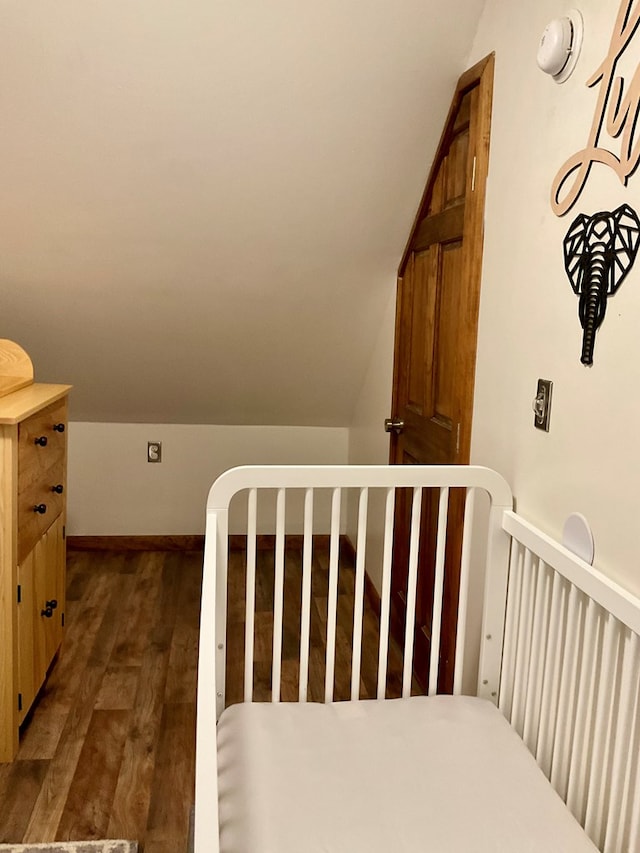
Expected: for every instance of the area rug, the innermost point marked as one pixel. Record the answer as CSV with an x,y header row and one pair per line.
x,y
110,846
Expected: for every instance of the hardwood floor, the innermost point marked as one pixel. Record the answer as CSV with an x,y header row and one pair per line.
x,y
108,751
263,642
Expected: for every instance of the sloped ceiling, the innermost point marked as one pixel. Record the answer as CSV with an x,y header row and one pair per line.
x,y
204,202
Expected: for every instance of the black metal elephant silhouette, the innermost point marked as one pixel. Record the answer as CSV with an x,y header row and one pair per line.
x,y
599,251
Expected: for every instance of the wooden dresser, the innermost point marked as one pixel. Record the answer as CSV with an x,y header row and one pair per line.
x,y
33,466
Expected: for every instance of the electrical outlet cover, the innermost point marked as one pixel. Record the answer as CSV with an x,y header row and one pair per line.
x,y
154,451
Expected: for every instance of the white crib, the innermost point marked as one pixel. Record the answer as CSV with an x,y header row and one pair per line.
x,y
543,757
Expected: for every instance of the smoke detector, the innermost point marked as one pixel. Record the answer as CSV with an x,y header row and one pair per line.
x,y
560,46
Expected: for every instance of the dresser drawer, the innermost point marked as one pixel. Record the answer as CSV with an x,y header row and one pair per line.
x,y
32,522
42,440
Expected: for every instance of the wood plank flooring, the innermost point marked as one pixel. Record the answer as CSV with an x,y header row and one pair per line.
x,y
108,751
263,642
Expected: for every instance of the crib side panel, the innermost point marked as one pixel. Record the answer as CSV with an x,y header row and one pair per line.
x,y
571,682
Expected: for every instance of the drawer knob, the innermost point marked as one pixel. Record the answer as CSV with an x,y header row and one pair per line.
x,y
48,612
52,604
58,427
41,508
41,441
59,489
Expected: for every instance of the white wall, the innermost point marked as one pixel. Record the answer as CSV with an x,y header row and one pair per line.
x,y
368,442
113,490
200,196
589,461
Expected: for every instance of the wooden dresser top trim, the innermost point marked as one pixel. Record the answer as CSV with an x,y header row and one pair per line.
x,y
21,404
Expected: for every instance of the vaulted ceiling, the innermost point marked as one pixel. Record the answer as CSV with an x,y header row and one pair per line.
x,y
204,202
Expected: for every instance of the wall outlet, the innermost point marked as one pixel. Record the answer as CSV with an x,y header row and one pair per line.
x,y
154,451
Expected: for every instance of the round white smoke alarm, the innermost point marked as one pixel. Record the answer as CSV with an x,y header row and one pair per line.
x,y
560,46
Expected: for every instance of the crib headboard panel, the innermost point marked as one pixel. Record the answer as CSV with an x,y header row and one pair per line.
x,y
304,484
571,680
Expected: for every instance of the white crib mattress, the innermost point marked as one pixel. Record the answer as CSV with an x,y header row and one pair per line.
x,y
443,774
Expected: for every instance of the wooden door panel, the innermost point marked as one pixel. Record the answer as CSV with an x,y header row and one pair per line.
x,y
446,184
463,113
422,330
448,326
435,203
455,169
425,436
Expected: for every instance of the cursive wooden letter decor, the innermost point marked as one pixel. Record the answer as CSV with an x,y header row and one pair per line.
x,y
619,108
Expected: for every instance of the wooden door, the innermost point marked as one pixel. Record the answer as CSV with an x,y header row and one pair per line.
x,y
435,346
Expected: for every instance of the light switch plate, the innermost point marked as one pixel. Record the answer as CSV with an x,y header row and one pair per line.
x,y
542,405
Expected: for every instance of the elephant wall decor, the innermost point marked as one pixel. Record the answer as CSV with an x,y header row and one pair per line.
x,y
599,251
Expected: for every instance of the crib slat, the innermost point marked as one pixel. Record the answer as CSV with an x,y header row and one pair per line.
x,y
598,776
361,545
332,605
581,749
250,603
278,596
523,648
305,615
387,554
634,798
538,655
624,755
633,842
552,674
438,586
410,621
514,597
463,596
627,827
566,705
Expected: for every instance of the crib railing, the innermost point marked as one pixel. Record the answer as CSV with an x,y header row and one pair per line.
x,y
571,682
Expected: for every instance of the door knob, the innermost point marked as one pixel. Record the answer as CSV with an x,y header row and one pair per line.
x,y
393,425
